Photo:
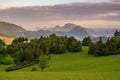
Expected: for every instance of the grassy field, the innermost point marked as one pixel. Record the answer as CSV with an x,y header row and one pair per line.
x,y
7,40
59,76
70,66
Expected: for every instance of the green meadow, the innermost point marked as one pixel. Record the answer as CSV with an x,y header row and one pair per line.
x,y
70,66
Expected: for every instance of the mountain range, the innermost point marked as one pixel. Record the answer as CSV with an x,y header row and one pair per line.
x,y
8,29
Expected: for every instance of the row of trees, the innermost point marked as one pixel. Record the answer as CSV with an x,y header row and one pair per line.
x,y
111,47
25,52
86,41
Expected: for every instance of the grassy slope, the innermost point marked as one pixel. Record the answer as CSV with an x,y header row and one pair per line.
x,y
7,40
71,66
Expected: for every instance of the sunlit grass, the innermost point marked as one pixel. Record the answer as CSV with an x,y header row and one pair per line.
x,y
7,40
70,66
59,76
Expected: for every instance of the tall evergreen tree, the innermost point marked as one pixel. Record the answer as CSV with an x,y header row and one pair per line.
x,y
86,41
117,33
100,48
91,48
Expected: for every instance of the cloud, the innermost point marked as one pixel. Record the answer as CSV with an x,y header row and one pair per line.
x,y
115,0
1,6
61,12
74,11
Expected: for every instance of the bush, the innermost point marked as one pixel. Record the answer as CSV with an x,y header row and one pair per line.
x,y
33,69
17,67
7,60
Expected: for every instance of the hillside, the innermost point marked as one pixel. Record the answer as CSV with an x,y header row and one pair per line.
x,y
7,40
8,29
81,62
71,66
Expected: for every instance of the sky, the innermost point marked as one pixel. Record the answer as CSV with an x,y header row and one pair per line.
x,y
31,14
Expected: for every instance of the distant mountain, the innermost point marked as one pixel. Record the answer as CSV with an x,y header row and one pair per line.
x,y
96,39
8,29
66,28
73,30
13,30
107,32
40,28
37,34
79,32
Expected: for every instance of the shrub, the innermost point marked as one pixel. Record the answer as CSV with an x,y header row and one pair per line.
x,y
7,60
33,69
17,67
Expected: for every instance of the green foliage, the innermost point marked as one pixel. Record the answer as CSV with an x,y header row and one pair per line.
x,y
111,47
80,66
33,69
25,52
20,39
2,48
100,48
57,44
43,62
91,48
20,66
2,43
6,59
117,33
78,63
73,45
86,41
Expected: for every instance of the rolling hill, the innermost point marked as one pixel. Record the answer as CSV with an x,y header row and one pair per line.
x,y
6,39
70,66
9,29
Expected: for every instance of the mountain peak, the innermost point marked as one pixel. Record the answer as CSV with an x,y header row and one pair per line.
x,y
57,26
70,25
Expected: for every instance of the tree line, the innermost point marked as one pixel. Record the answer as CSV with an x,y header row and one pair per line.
x,y
28,52
111,47
25,51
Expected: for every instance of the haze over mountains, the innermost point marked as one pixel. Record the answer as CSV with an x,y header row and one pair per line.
x,y
8,29
69,29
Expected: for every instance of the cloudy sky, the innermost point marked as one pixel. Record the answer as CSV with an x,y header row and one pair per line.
x,y
49,13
